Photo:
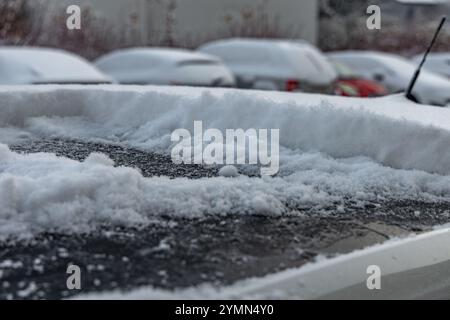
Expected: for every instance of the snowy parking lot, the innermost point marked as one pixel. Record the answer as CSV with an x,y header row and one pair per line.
x,y
86,177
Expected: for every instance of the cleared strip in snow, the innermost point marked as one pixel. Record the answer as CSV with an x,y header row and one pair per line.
x,y
390,130
326,276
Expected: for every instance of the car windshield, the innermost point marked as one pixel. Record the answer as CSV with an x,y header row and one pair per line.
x,y
344,71
197,62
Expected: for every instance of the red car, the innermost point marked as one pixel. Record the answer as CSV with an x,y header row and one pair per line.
x,y
350,85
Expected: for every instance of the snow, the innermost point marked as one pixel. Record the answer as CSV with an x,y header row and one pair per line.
x,y
27,65
164,66
390,130
436,62
332,149
397,72
273,59
168,56
229,172
422,2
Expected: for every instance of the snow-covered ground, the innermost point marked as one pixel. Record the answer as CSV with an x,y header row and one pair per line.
x,y
332,149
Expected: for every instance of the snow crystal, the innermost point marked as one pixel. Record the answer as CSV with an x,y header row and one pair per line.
x,y
229,172
100,159
4,153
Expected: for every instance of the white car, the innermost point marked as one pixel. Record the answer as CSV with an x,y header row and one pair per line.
x,y
437,63
395,73
164,66
275,64
30,65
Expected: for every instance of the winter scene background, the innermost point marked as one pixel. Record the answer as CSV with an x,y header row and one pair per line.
x,y
405,30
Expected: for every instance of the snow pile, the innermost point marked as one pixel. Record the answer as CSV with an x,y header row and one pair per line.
x,y
41,192
389,130
229,172
333,149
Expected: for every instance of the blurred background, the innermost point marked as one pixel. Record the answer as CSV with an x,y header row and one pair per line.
x,y
329,24
315,46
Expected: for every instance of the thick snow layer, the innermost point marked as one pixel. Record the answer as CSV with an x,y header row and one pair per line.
x,y
41,192
389,130
229,172
331,149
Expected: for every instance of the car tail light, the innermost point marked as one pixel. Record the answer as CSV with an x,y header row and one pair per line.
x,y
292,85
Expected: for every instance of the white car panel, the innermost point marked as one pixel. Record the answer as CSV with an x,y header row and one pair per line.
x,y
29,65
162,66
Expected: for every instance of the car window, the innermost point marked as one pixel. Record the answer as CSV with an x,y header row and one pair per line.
x,y
198,62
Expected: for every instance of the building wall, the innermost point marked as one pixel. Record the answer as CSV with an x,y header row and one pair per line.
x,y
191,22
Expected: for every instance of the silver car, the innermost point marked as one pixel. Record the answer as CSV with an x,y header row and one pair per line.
x,y
275,64
165,66
33,65
395,73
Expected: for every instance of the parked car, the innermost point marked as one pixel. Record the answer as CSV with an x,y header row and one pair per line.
x,y
29,65
437,63
275,64
351,85
163,66
395,73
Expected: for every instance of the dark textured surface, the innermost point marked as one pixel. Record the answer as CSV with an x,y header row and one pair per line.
x,y
181,253
150,164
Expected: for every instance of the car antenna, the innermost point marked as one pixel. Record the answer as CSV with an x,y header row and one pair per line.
x,y
409,94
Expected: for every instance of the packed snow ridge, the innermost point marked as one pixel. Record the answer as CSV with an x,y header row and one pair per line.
x,y
331,149
392,131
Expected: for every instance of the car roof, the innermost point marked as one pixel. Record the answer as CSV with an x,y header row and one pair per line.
x,y
35,64
274,57
359,53
164,55
258,43
434,55
382,57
